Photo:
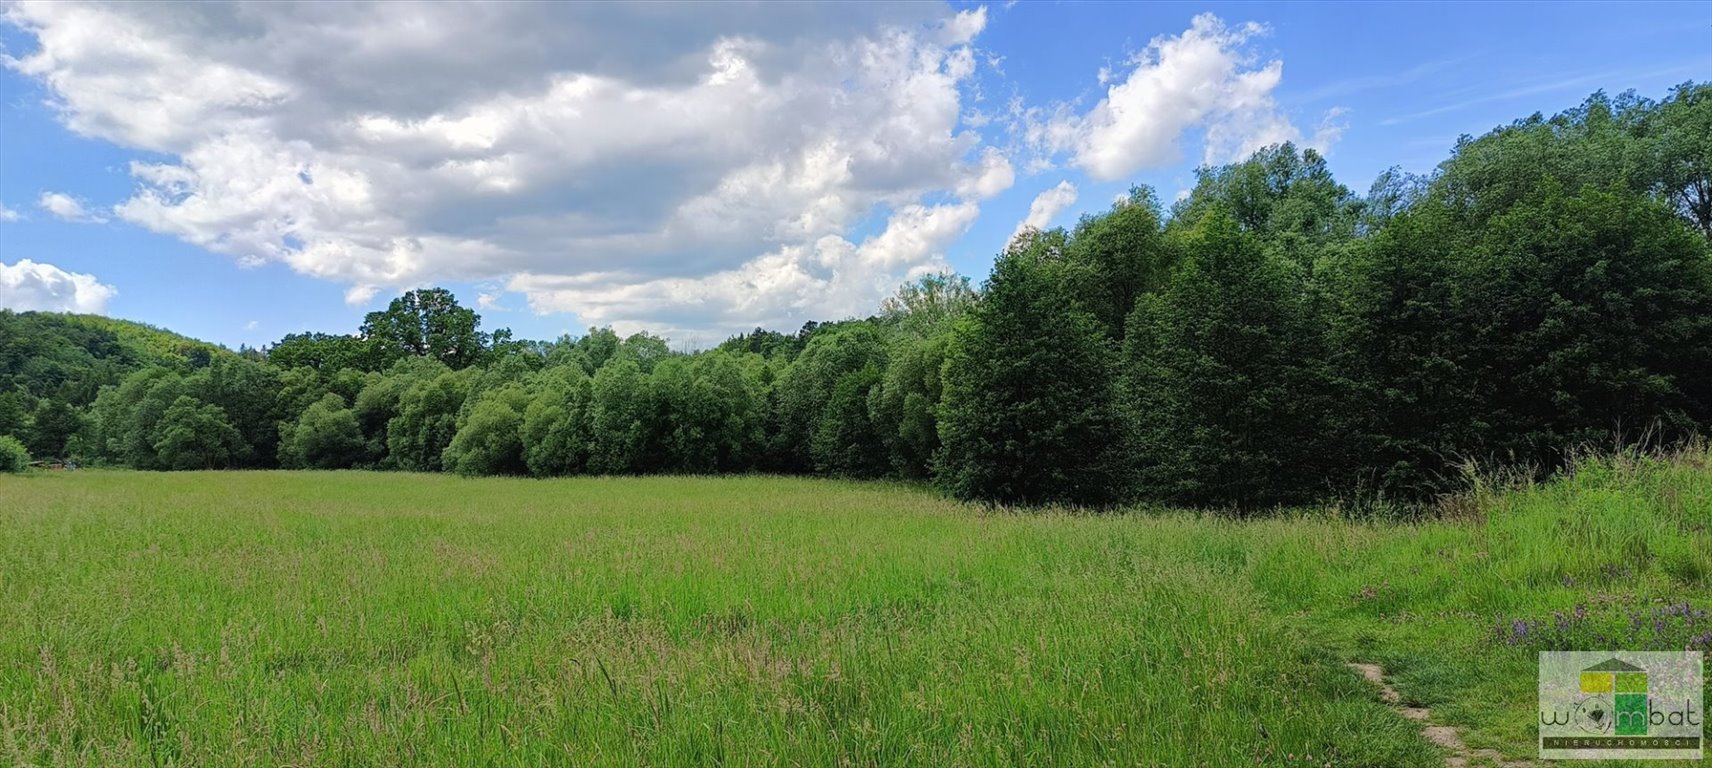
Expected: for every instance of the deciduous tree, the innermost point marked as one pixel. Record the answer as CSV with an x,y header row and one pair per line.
x,y
1029,414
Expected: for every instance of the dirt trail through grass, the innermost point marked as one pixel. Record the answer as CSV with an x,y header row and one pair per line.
x,y
1443,735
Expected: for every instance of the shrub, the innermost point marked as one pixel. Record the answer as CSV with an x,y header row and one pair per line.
x,y
326,436
13,457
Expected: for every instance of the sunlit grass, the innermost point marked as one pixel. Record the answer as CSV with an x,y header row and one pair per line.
x,y
387,619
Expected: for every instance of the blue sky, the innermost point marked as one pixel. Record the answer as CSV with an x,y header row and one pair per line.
x,y
236,173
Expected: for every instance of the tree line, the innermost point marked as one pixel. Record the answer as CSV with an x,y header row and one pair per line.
x,y
1272,338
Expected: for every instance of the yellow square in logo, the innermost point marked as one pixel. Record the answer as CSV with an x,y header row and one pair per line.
x,y
1596,682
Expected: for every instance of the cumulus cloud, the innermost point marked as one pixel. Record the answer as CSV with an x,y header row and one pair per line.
x,y
66,207
536,144
1202,79
28,285
7,214
996,175
829,277
697,172
1046,206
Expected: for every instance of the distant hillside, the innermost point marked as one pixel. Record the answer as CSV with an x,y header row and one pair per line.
x,y
69,357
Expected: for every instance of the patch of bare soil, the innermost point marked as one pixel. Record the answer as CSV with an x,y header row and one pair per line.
x,y
1460,756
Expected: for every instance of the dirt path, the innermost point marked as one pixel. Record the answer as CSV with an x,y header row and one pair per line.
x,y
1443,735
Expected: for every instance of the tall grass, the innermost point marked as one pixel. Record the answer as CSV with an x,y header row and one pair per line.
x,y
385,619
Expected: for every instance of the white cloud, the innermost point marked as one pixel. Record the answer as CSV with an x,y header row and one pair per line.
x,y
962,28
28,285
996,176
537,144
830,277
250,326
1203,78
67,208
7,214
1046,206
698,172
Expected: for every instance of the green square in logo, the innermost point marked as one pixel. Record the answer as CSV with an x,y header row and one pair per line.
x,y
1631,714
1631,682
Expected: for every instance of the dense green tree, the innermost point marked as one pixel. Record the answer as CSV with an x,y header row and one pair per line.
x,y
565,352
348,383
324,436
1677,141
1401,336
298,389
245,391
52,425
489,439
618,418
14,415
1029,415
1224,377
195,435
500,373
426,422
377,403
124,418
556,423
501,346
846,442
1594,311
679,422
731,409
1658,149
928,305
1280,195
767,344
807,385
1592,144
323,352
1116,256
598,346
1393,193
426,323
646,349
1563,320
904,407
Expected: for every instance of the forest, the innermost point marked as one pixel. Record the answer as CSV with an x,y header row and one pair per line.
x,y
1272,338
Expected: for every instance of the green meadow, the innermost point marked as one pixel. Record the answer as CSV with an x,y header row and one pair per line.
x,y
384,619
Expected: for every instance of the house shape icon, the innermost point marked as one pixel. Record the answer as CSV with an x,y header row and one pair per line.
x,y
1626,684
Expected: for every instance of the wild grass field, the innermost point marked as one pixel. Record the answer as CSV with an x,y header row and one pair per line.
x,y
372,619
